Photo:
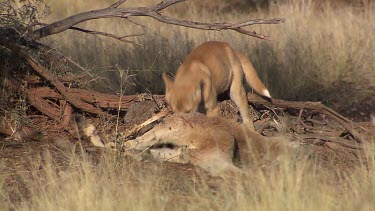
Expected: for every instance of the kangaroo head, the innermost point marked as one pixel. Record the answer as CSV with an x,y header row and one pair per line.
x,y
182,97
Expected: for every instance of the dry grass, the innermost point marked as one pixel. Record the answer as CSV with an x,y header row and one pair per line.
x,y
312,55
290,184
317,54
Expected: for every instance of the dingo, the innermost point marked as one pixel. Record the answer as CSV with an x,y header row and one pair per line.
x,y
214,144
209,70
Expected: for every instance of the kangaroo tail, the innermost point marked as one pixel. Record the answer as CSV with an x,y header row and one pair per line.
x,y
251,75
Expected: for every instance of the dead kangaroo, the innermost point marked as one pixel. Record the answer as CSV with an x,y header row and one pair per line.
x,y
215,144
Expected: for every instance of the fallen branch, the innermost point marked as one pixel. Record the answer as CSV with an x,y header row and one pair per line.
x,y
100,100
48,109
318,106
19,133
337,140
46,74
66,112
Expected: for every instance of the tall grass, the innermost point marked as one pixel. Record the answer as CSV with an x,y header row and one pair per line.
x,y
291,184
320,53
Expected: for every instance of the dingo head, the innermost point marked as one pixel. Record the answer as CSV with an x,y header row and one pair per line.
x,y
183,97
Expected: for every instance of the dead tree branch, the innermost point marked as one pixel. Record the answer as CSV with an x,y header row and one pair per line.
x,y
350,126
151,11
338,140
39,68
18,132
100,100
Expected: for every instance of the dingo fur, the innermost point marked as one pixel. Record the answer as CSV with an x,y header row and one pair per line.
x,y
211,69
214,144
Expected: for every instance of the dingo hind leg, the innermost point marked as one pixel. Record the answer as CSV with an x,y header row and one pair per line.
x,y
238,93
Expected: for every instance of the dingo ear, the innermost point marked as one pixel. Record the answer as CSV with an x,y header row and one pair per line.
x,y
168,82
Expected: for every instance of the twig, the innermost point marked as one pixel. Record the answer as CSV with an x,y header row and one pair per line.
x,y
67,58
117,4
71,78
120,38
337,140
134,22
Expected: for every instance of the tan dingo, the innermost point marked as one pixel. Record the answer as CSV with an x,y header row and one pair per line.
x,y
209,70
214,144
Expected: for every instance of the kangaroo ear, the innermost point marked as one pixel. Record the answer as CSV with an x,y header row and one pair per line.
x,y
168,82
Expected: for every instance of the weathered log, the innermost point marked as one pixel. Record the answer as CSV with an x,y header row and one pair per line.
x,y
35,99
103,101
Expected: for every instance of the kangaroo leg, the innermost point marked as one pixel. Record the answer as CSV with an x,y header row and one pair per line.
x,y
169,132
177,155
216,162
158,134
143,142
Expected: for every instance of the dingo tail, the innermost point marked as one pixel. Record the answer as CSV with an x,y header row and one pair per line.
x,y
251,76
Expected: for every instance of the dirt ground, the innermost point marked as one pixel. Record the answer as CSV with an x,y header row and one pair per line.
x,y
16,157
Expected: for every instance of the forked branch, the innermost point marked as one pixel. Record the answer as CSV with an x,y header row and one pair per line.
x,y
151,11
